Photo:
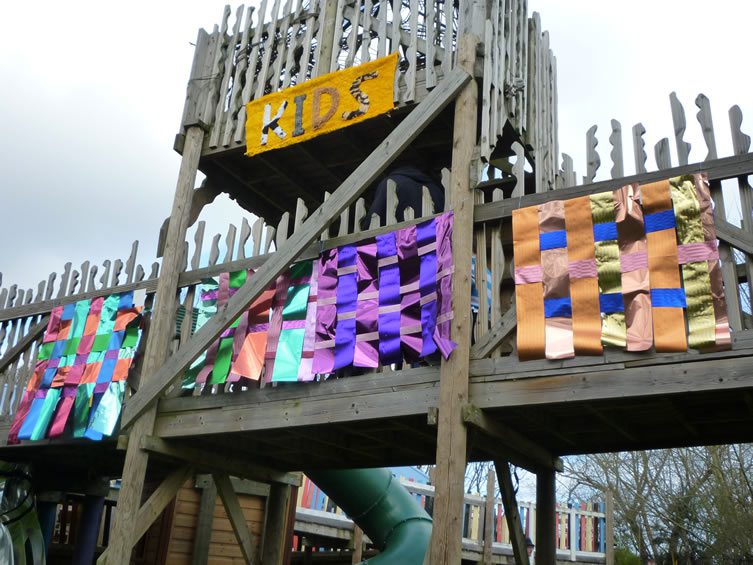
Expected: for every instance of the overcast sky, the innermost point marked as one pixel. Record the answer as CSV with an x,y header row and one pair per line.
x,y
92,94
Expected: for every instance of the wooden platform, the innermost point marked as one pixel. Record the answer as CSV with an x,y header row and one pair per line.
x,y
618,402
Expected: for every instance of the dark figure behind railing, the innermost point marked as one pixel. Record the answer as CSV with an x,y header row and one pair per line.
x,y
409,180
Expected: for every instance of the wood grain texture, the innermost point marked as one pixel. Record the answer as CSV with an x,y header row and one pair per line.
x,y
727,167
162,328
234,512
451,433
512,514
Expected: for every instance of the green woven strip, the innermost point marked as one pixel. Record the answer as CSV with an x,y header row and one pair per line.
x,y
695,276
607,254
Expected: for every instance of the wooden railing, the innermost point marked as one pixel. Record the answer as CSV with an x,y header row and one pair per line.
x,y
287,42
505,190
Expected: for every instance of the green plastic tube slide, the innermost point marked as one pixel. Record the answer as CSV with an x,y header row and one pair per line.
x,y
383,509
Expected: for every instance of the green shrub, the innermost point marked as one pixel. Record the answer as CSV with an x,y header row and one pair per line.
x,y
623,556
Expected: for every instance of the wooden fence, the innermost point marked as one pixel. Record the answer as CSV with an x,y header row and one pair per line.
x,y
23,312
284,43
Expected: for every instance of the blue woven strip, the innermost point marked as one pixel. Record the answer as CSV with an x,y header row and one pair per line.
x,y
605,231
558,308
552,240
660,221
611,303
668,298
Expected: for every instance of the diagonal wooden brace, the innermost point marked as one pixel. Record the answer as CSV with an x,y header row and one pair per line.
x,y
346,194
155,504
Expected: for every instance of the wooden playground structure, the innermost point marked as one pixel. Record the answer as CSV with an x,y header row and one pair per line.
x,y
476,94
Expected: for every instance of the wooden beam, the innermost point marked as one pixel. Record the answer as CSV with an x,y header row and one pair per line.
x,y
489,519
522,451
151,509
241,486
718,169
204,521
546,517
206,459
357,545
490,341
237,519
512,514
161,331
446,546
346,194
711,375
23,343
733,235
275,524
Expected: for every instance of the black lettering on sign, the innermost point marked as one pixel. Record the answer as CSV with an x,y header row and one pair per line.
x,y
361,97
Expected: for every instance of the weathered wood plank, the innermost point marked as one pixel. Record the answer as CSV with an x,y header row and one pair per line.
x,y
151,509
512,514
603,384
203,531
237,519
161,331
208,460
725,168
345,195
451,433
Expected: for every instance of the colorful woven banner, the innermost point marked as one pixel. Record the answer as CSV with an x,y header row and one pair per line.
x,y
238,355
80,375
385,299
621,269
373,302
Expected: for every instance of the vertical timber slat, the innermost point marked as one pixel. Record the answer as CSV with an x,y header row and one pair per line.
x,y
451,433
160,335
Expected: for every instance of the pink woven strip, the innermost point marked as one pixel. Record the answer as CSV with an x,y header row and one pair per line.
x,y
696,252
583,269
528,274
630,262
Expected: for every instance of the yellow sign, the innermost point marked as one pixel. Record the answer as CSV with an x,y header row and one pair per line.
x,y
320,106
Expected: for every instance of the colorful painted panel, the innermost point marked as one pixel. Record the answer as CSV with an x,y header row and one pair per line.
x,y
622,269
80,375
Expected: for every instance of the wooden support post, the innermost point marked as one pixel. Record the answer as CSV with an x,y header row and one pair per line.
x,y
512,515
150,510
161,332
275,524
451,432
357,545
237,519
546,547
489,518
609,534
204,523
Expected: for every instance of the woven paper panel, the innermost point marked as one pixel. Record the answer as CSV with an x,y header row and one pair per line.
x,y
80,374
635,268
373,302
